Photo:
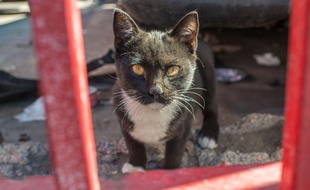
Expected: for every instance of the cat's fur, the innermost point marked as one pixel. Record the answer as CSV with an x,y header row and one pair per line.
x,y
154,108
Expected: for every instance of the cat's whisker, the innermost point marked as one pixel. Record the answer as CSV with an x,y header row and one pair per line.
x,y
195,93
184,91
178,106
135,98
201,62
117,95
123,91
134,53
120,94
192,100
122,103
137,105
195,88
112,76
195,101
186,101
184,106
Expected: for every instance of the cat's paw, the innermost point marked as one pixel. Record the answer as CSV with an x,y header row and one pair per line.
x,y
128,168
207,142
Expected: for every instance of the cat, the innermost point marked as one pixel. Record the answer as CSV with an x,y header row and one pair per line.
x,y
160,82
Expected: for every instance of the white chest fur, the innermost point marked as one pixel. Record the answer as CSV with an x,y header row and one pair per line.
x,y
150,124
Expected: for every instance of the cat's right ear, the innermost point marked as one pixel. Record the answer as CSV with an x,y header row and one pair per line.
x,y
186,31
124,27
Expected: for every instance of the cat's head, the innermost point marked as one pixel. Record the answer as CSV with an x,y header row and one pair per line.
x,y
153,66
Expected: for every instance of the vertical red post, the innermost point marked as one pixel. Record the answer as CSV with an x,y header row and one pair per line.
x,y
62,70
296,138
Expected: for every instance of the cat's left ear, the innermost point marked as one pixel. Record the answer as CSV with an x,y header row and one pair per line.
x,y
124,27
186,31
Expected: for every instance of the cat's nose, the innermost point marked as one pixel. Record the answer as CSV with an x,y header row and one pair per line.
x,y
156,90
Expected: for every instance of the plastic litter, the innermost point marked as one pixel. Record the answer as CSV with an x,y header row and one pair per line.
x,y
33,112
267,59
229,75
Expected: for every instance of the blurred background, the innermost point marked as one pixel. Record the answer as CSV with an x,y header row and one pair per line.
x,y
248,43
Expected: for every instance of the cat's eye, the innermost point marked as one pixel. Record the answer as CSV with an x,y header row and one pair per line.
x,y
172,71
137,69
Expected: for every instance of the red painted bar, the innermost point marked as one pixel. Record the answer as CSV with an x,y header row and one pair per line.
x,y
63,83
296,138
257,176
60,53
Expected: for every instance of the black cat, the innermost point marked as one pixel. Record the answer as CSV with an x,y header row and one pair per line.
x,y
159,86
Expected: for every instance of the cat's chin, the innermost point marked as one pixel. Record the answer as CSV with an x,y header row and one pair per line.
x,y
155,106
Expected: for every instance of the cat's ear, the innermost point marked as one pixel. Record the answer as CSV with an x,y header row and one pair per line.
x,y
124,27
187,30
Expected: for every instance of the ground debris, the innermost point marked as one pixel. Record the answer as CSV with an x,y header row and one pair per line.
x,y
253,123
255,138
24,159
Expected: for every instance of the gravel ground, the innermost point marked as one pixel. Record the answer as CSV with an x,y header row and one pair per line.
x,y
256,138
24,159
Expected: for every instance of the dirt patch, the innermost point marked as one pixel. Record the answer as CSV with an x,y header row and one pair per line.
x,y
256,138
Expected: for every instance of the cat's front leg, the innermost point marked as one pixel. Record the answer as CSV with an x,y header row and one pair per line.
x,y
137,155
209,132
173,155
175,147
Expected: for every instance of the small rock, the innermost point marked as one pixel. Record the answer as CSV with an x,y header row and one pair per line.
x,y
7,170
14,153
236,158
277,156
19,172
109,158
153,164
208,157
122,146
29,169
39,149
107,169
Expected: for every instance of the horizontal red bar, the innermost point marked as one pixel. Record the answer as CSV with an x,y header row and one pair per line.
x,y
260,176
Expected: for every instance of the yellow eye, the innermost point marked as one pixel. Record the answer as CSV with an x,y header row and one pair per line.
x,y
138,69
172,71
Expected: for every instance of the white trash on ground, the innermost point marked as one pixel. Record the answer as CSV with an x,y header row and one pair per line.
x,y
33,112
267,59
229,75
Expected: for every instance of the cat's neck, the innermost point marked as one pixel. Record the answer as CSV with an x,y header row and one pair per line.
x,y
150,122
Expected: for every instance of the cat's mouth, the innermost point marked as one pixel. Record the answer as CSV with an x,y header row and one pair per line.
x,y
156,106
153,102
157,103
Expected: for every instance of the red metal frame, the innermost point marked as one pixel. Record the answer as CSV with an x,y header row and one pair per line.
x,y
233,177
60,54
296,138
